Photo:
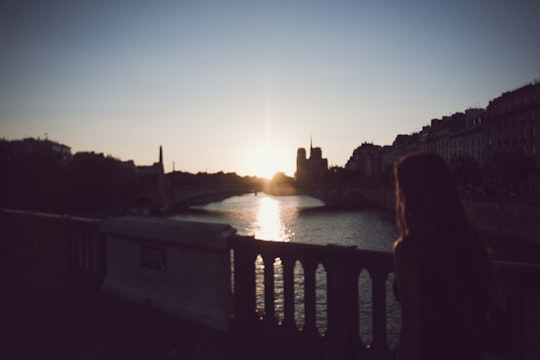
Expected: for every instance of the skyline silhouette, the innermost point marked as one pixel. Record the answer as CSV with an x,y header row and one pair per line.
x,y
248,80
455,145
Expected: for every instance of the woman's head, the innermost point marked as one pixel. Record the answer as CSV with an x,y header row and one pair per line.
x,y
427,199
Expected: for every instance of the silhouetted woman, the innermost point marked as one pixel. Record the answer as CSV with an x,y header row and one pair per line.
x,y
442,267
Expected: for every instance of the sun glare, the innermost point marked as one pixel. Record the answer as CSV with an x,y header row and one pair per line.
x,y
269,224
266,161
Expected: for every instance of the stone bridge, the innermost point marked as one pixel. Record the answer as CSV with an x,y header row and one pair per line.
x,y
334,195
185,196
349,195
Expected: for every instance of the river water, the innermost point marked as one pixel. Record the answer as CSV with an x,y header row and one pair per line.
x,y
306,220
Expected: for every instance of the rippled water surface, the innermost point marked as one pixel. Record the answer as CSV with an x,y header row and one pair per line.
x,y
299,219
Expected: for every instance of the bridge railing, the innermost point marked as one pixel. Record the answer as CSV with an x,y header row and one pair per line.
x,y
267,270
58,244
330,311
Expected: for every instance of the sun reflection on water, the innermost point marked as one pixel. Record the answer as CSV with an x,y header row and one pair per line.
x,y
268,223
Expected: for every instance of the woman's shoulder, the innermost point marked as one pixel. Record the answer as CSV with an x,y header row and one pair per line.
x,y
406,250
405,245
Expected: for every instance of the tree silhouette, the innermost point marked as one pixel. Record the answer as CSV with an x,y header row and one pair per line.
x,y
30,176
97,184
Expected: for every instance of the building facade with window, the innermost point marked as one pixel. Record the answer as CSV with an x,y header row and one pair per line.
x,y
512,122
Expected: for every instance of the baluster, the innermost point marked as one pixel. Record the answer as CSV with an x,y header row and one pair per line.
x,y
78,252
378,285
102,254
69,244
342,290
244,285
515,307
32,235
82,241
94,255
90,254
88,250
269,313
84,252
288,289
310,306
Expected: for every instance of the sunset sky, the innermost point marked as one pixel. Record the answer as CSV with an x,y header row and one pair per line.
x,y
238,86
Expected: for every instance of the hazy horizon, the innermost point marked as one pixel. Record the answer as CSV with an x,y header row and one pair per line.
x,y
238,86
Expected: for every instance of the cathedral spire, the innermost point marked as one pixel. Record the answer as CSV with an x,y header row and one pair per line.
x,y
160,154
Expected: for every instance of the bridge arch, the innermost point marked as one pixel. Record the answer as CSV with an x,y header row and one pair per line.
x,y
339,195
353,198
199,195
145,201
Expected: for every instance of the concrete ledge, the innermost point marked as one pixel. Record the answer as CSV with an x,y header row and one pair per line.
x,y
179,267
174,232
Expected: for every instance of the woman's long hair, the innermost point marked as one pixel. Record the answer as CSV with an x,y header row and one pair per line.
x,y
427,196
430,215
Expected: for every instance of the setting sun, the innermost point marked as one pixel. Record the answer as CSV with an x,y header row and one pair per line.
x,y
266,161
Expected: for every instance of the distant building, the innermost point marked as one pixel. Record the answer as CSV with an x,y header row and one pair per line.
x,y
154,169
152,177
424,139
367,159
387,157
59,151
460,134
513,121
405,144
310,168
469,138
440,137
